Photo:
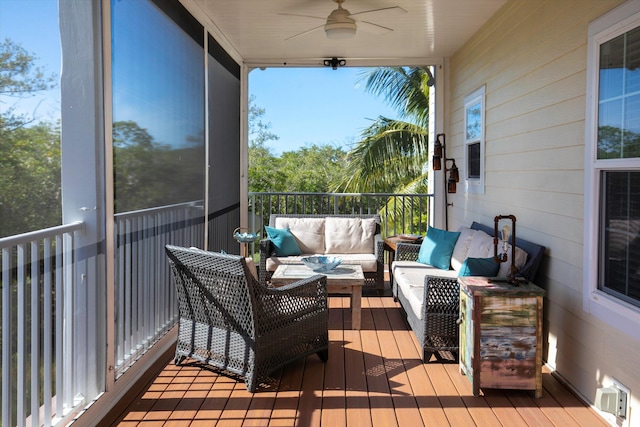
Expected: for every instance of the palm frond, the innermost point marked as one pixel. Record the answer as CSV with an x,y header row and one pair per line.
x,y
405,89
391,154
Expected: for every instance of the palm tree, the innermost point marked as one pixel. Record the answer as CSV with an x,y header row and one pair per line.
x,y
392,155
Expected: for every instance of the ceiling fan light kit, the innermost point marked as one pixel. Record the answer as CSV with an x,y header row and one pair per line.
x,y
340,30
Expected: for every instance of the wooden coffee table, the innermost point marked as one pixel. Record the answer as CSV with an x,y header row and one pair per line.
x,y
344,279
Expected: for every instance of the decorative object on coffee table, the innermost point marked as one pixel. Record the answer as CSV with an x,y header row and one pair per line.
x,y
321,263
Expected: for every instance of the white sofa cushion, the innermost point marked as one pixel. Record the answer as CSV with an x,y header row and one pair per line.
x,y
478,244
308,232
349,235
368,262
409,277
521,259
461,248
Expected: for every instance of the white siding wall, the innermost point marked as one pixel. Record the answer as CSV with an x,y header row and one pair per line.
x,y
532,57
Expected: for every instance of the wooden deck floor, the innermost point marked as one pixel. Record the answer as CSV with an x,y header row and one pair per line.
x,y
374,377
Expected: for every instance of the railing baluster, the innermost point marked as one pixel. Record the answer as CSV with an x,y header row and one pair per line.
x,y
35,336
47,331
7,360
21,350
59,325
67,314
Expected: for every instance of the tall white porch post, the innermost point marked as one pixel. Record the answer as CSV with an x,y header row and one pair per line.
x,y
83,192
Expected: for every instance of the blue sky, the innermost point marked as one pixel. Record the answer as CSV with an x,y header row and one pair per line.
x,y
319,106
304,106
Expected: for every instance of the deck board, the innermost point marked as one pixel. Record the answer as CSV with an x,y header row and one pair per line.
x,y
374,377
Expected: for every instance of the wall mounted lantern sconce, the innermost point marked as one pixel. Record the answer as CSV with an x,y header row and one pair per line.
x,y
450,184
440,156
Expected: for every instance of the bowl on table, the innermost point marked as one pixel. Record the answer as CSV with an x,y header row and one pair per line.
x,y
321,263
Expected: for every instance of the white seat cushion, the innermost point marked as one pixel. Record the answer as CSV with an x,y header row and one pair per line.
x,y
274,261
409,276
368,262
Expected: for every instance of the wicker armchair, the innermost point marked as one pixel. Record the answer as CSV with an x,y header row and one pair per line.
x,y
437,331
228,320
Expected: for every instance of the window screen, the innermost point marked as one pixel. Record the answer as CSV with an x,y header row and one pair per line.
x,y
620,235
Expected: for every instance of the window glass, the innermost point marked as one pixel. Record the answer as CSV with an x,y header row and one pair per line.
x,y
473,157
619,97
474,110
474,124
620,270
158,109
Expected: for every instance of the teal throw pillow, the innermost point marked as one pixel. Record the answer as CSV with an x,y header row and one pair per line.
x,y
283,241
437,248
486,267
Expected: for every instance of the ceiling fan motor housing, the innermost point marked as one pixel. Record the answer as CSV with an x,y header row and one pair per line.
x,y
339,25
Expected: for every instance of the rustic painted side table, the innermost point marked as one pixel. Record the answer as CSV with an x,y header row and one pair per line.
x,y
501,334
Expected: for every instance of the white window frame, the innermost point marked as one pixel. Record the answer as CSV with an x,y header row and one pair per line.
x,y
613,311
474,185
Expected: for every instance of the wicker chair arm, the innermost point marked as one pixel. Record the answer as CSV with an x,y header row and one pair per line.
x,y
266,248
407,252
378,248
440,314
294,300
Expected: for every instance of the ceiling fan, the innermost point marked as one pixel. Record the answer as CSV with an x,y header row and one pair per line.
x,y
341,24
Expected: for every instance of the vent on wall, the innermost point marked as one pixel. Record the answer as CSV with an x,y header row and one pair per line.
x,y
612,400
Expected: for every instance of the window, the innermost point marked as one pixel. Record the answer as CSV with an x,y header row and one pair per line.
x,y
474,141
612,191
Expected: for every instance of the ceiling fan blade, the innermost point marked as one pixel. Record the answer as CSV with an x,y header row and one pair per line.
x,y
391,10
303,16
370,27
305,32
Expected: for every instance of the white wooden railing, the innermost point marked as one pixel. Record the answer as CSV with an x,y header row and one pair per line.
x,y
145,299
38,326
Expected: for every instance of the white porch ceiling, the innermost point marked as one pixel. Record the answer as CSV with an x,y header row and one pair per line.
x,y
257,33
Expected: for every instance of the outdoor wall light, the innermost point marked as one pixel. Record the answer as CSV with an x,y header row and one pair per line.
x,y
334,63
437,153
440,155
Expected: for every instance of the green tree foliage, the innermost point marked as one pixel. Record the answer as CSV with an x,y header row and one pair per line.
x,y
19,76
309,169
30,193
314,169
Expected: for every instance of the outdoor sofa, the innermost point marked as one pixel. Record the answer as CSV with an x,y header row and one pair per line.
x,y
354,238
430,295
